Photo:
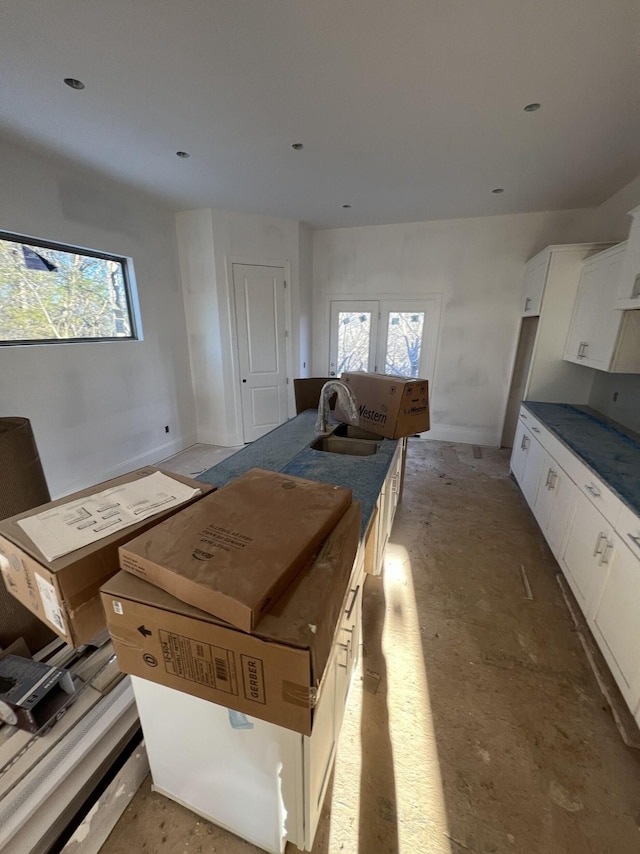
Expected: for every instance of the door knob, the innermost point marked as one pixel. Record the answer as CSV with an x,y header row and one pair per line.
x,y
244,381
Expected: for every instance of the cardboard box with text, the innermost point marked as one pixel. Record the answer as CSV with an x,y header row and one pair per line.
x,y
65,593
390,406
272,674
234,552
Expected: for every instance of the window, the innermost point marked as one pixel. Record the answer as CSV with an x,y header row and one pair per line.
x,y
54,293
395,336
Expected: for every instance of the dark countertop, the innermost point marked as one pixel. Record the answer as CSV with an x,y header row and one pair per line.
x,y
286,449
610,452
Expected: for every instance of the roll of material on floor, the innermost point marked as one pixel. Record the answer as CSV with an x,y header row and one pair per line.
x,y
22,486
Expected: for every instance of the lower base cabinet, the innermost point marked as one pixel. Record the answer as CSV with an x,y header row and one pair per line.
x,y
602,570
587,552
616,619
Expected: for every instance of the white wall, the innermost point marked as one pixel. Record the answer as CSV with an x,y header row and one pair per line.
x,y
303,366
98,409
611,220
477,265
209,242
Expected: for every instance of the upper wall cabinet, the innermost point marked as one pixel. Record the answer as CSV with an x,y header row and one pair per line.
x,y
629,283
600,336
535,277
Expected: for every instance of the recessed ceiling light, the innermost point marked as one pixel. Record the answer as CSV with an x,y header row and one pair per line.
x,y
297,146
498,190
184,154
346,206
73,83
532,108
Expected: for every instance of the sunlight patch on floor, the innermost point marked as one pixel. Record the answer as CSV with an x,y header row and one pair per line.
x,y
420,803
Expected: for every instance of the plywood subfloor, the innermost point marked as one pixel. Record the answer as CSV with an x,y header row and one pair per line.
x,y
476,725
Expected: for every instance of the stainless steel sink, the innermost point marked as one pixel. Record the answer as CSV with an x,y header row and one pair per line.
x,y
341,445
356,433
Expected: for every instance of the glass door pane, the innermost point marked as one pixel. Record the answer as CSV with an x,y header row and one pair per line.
x,y
354,328
404,343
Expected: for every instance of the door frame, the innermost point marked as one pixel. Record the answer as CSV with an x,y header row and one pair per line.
x,y
430,355
282,264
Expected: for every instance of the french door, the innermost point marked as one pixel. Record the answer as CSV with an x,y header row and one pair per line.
x,y
385,336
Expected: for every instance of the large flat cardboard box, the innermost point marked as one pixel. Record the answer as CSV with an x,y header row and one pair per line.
x,y
391,406
234,552
65,593
272,674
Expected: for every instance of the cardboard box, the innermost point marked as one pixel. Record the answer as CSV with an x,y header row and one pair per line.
x,y
32,694
233,553
271,674
391,406
65,593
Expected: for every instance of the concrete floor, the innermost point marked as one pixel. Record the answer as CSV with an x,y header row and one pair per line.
x,y
476,725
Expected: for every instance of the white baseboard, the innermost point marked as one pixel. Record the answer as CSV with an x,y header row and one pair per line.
x,y
464,435
148,458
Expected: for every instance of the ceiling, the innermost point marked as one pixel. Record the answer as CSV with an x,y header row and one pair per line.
x,y
408,110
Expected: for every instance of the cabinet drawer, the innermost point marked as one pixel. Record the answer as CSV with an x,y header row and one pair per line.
x,y
628,529
600,495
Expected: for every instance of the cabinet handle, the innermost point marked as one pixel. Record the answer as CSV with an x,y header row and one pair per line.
x,y
546,483
353,602
607,549
553,475
525,443
536,429
634,539
593,490
526,303
601,537
523,415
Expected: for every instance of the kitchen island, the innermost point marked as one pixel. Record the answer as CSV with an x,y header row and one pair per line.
x,y
287,449
261,780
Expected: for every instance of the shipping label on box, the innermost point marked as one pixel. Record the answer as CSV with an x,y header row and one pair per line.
x,y
391,406
64,592
271,674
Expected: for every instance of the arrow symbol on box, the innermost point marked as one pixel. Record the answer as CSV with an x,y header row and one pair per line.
x,y
144,631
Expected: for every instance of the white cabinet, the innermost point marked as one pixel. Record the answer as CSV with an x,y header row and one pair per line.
x,y
600,336
628,295
385,511
535,276
526,461
616,620
554,504
595,539
586,551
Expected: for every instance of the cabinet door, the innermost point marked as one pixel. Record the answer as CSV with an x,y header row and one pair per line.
x,y
616,621
586,543
601,342
584,312
520,449
320,748
532,470
629,283
534,281
557,495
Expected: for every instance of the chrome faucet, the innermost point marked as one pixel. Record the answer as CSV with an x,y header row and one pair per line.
x,y
346,400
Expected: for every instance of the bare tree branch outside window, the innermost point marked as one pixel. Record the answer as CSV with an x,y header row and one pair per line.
x,y
55,293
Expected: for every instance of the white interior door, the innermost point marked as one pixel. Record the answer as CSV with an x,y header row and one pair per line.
x,y
262,347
